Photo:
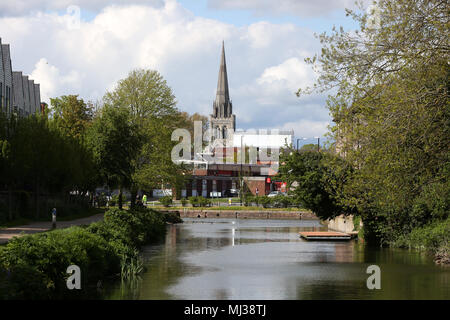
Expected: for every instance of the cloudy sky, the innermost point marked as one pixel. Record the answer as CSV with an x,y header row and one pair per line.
x,y
265,42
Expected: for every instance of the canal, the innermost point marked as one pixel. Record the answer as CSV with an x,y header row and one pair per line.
x,y
266,259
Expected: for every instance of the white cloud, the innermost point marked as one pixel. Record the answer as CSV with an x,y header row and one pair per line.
x,y
291,74
52,81
308,129
264,60
304,8
23,7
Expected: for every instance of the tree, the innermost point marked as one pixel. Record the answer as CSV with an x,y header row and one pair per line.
x,y
153,111
146,94
115,141
309,147
71,115
316,180
391,109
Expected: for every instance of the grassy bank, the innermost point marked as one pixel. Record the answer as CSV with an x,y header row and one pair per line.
x,y
433,238
34,266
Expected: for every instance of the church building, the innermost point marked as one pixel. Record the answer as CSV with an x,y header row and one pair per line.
x,y
257,169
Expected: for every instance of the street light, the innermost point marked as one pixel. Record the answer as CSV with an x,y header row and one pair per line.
x,y
299,140
318,143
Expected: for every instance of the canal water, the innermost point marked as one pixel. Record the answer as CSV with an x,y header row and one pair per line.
x,y
266,259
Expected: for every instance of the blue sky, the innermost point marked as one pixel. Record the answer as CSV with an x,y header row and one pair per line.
x,y
265,41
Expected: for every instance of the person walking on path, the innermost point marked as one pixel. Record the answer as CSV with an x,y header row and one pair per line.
x,y
144,200
54,218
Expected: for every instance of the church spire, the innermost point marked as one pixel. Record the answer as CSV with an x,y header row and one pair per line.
x,y
222,101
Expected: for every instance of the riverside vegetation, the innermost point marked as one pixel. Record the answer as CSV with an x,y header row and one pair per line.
x,y
34,266
389,161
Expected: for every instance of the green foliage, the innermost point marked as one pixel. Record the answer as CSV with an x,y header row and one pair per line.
x,y
166,201
265,201
37,263
71,115
433,237
199,201
183,201
39,159
318,182
282,201
248,199
392,114
48,255
115,143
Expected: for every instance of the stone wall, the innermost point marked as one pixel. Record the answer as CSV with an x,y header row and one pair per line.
x,y
246,214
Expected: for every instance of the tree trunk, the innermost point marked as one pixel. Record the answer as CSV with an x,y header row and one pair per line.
x,y
36,199
120,198
10,212
133,196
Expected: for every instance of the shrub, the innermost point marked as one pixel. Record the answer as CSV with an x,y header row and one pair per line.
x,y
47,255
34,266
281,201
248,199
203,202
166,201
265,201
199,201
193,201
183,202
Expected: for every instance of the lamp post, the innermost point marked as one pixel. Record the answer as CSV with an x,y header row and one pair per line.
x,y
299,140
241,177
318,143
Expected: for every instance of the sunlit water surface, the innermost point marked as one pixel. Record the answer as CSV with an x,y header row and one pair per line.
x,y
266,259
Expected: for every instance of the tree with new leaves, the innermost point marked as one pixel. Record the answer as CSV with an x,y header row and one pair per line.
x,y
71,115
152,107
391,110
115,142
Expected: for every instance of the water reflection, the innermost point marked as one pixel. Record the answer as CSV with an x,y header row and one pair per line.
x,y
266,259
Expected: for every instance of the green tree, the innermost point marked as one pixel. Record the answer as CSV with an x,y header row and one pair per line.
x,y
391,109
115,141
71,115
152,107
316,182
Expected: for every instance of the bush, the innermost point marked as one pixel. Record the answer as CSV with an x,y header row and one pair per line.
x,y
34,266
166,201
265,201
114,200
47,255
434,238
193,201
183,202
281,201
248,199
199,201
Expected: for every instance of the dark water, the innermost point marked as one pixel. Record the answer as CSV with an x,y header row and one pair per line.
x,y
266,259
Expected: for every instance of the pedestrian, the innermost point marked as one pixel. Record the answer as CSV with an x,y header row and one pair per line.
x,y
54,218
144,200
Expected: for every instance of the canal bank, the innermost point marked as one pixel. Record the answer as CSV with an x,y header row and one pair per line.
x,y
245,214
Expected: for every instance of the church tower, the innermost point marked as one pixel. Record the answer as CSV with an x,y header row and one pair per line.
x,y
222,120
